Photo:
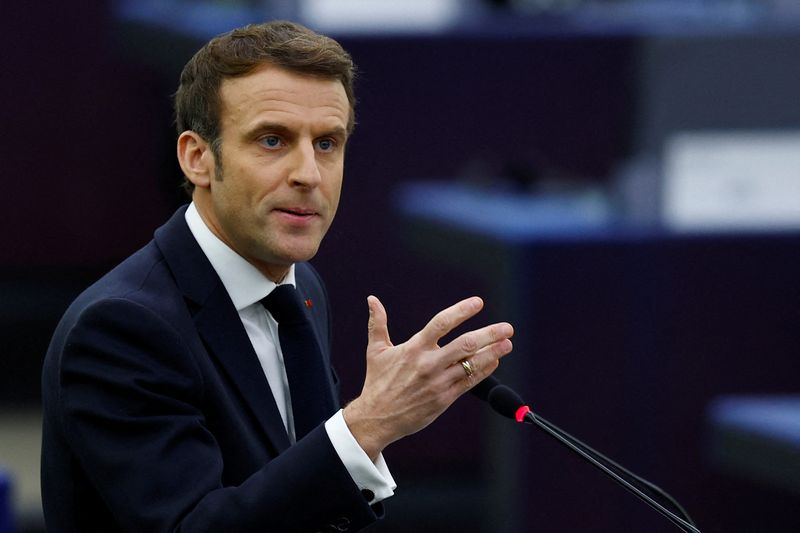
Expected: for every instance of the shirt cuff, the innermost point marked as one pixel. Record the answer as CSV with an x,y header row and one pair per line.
x,y
368,476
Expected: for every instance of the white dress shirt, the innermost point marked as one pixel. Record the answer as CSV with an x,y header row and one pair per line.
x,y
246,287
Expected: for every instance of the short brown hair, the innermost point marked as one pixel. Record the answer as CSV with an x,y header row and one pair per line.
x,y
237,53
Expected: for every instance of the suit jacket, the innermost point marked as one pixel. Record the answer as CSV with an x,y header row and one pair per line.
x,y
158,416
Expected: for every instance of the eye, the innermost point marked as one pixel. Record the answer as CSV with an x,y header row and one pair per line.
x,y
271,141
326,145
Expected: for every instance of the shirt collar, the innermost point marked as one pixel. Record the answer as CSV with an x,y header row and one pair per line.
x,y
244,283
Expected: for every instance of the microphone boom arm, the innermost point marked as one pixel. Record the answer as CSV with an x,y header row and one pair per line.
x,y
508,403
553,431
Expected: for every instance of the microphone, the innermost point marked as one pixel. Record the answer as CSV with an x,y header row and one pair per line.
x,y
505,401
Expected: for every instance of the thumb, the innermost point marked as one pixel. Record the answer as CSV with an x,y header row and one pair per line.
x,y
377,327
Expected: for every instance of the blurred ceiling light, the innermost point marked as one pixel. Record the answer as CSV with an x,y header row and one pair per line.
x,y
386,15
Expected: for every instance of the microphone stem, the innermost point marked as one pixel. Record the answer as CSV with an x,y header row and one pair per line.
x,y
532,418
621,470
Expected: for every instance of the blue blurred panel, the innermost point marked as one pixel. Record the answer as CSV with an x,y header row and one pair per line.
x,y
201,20
504,215
758,437
6,518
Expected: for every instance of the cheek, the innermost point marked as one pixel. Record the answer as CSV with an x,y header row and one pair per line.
x,y
334,175
236,200
248,185
334,193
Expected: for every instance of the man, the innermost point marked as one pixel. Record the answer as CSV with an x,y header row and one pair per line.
x,y
171,398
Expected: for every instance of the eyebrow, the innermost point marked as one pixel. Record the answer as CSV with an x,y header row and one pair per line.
x,y
282,129
267,127
338,131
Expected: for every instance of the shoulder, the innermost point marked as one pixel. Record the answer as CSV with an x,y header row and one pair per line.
x,y
305,273
130,327
149,278
143,280
137,299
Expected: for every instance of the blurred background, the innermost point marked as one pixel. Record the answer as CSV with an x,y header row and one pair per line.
x,y
620,179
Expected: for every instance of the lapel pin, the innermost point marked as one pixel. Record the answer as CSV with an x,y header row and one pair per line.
x,y
309,303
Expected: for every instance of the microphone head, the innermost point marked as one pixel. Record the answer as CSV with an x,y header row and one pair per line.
x,y
505,401
502,399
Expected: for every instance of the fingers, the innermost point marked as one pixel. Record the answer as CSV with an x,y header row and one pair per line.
x,y
483,349
470,343
377,326
483,363
448,319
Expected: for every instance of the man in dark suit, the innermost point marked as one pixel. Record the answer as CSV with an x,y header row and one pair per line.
x,y
172,395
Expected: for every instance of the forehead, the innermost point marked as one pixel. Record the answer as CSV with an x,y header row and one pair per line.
x,y
274,94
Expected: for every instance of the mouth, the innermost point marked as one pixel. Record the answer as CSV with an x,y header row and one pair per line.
x,y
296,211
300,217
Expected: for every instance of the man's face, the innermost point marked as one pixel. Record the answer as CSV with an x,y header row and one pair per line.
x,y
282,153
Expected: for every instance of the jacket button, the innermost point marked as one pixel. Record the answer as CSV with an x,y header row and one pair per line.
x,y
342,524
368,494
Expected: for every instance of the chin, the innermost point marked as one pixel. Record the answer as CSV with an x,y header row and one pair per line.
x,y
299,254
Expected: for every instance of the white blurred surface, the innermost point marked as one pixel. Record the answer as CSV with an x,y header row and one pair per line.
x,y
385,15
20,448
732,180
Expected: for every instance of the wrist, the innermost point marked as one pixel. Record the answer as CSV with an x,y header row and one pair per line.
x,y
365,429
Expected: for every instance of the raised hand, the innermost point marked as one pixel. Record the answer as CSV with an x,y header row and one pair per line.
x,y
409,385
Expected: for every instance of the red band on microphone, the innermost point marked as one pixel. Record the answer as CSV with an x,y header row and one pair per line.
x,y
521,412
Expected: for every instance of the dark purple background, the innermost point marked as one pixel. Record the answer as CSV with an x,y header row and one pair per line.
x,y
88,170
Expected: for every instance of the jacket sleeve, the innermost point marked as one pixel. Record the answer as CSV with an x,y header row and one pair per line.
x,y
130,400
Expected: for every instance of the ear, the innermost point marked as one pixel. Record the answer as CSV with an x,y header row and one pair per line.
x,y
196,158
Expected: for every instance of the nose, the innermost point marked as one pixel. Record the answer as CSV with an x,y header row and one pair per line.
x,y
305,171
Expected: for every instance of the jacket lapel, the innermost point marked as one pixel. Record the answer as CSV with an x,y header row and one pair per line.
x,y
219,325
315,299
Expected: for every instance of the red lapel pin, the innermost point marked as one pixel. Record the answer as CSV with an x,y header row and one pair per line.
x,y
309,303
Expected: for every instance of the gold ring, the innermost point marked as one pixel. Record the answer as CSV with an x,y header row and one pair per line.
x,y
468,368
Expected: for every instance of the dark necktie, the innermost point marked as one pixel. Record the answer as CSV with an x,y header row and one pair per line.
x,y
309,384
